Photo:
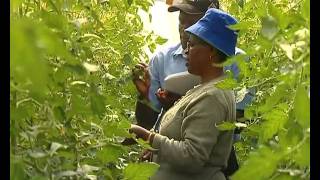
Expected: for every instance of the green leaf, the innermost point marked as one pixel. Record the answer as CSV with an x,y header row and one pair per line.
x,y
55,146
56,5
144,144
23,111
269,27
60,75
145,5
274,98
306,10
37,154
140,171
264,43
249,112
79,83
288,49
260,165
279,16
226,126
79,105
229,61
54,20
127,59
90,67
85,168
129,2
244,25
228,83
302,107
302,156
75,68
260,12
38,178
14,4
66,154
234,7
66,173
108,174
283,177
89,35
26,63
109,76
16,169
51,43
80,22
152,47
291,137
274,121
117,128
97,101
110,153
161,40
241,3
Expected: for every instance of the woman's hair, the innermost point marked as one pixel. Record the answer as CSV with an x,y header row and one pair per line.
x,y
222,56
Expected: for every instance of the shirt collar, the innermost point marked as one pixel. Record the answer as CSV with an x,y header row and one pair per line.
x,y
179,51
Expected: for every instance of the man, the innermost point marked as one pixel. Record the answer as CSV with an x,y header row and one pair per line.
x,y
152,99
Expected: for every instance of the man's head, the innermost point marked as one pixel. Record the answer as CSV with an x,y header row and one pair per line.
x,y
190,12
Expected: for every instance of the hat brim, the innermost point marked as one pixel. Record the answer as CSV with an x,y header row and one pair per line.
x,y
186,8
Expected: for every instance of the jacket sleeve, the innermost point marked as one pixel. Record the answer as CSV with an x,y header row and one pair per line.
x,y
199,135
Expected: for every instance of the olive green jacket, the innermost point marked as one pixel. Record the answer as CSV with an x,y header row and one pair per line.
x,y
189,145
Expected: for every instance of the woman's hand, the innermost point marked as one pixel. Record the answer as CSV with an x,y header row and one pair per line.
x,y
140,132
146,156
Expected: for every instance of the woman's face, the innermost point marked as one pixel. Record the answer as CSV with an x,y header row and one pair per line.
x,y
198,56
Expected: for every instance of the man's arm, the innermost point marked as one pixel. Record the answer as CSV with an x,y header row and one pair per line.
x,y
147,107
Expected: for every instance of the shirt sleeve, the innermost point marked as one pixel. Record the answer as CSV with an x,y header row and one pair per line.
x,y
249,96
247,100
234,69
199,134
154,81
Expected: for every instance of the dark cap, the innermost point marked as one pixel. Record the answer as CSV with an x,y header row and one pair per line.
x,y
193,6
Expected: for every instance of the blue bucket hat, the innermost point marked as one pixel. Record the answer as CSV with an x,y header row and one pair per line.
x,y
213,29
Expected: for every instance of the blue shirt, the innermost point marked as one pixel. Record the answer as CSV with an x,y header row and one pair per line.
x,y
170,61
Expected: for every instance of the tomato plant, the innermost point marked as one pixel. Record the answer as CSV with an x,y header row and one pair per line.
x,y
72,100
71,96
276,37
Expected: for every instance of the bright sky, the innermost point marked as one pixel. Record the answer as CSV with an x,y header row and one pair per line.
x,y
163,23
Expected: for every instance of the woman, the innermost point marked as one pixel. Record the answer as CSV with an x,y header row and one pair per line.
x,y
189,145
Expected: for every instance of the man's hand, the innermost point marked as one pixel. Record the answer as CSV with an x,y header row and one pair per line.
x,y
141,78
167,98
140,132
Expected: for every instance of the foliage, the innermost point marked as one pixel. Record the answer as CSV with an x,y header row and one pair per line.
x,y
276,37
139,171
71,96
72,100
